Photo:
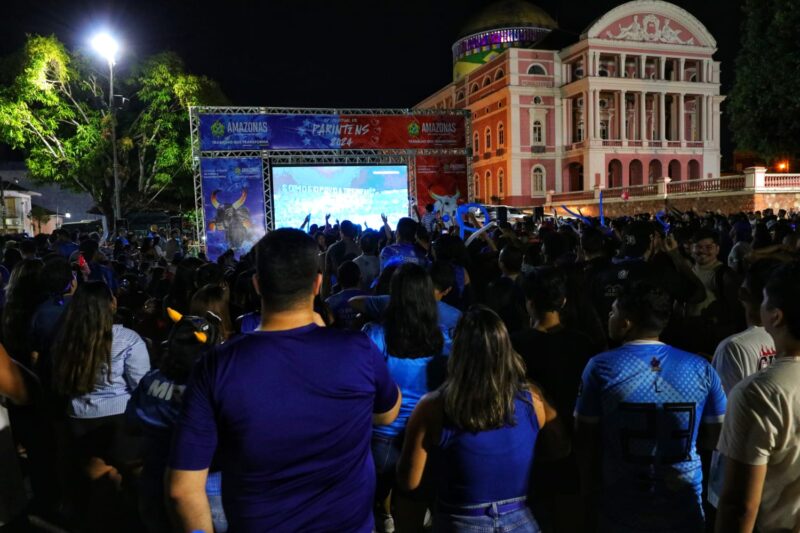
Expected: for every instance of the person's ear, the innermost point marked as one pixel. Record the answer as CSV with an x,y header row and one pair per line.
x,y
774,318
564,303
256,285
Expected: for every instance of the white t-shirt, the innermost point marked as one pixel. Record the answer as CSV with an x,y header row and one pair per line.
x,y
762,427
743,354
12,489
740,355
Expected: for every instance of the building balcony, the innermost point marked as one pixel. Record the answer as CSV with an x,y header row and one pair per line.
x,y
500,151
487,155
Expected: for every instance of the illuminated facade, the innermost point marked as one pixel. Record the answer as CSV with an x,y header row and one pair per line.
x,y
635,100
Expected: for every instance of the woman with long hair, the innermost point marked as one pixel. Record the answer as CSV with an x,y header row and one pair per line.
x,y
23,296
97,365
409,337
483,425
213,299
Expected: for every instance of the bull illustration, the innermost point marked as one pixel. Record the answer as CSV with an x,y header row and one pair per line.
x,y
233,219
447,205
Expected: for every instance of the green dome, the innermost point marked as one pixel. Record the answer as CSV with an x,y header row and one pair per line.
x,y
508,13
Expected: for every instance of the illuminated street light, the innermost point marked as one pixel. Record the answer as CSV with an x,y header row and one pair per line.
x,y
106,46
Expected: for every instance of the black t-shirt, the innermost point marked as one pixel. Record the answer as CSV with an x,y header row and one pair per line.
x,y
555,360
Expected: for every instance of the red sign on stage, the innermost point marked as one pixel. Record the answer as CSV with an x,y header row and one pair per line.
x,y
402,131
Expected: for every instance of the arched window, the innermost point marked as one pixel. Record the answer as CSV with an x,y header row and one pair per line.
x,y
537,182
500,184
537,70
459,95
476,143
499,74
537,100
501,135
538,132
474,88
477,184
488,139
486,81
487,188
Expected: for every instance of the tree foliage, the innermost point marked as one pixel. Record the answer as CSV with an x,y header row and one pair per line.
x,y
54,107
765,101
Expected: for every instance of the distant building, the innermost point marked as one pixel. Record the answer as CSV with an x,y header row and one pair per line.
x,y
636,98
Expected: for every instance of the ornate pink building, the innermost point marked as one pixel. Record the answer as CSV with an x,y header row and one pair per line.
x,y
636,98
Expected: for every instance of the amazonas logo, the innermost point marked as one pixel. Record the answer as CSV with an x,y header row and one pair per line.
x,y
218,129
414,129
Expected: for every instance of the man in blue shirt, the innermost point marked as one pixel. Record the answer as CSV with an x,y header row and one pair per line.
x,y
644,405
406,249
348,277
286,411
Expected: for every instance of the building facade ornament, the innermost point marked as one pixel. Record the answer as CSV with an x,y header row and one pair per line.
x,y
649,30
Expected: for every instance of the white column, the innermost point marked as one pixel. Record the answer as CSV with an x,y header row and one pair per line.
x,y
623,112
681,118
662,65
622,59
596,104
642,116
703,117
642,66
588,108
662,117
682,63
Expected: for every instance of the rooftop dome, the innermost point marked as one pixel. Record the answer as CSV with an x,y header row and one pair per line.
x,y
508,13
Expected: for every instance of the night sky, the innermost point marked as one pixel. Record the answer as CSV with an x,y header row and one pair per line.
x,y
315,53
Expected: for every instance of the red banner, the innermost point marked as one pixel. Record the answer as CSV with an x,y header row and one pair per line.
x,y
402,131
442,181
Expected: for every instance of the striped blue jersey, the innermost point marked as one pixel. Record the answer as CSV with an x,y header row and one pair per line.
x,y
650,399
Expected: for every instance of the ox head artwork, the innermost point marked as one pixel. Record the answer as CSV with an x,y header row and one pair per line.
x,y
447,205
232,218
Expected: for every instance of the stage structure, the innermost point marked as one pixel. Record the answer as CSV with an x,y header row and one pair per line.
x,y
257,168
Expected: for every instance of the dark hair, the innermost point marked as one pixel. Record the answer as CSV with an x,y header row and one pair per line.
x,y
348,274
384,284
451,249
407,229
443,275
591,240
369,242
23,295
756,278
411,321
83,344
209,274
214,299
11,256
287,267
504,298
183,284
511,257
485,374
429,208
56,276
636,238
783,292
27,246
547,290
647,306
348,229
705,233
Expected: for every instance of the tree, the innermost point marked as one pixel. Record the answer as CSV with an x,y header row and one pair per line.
x,y
53,107
39,216
765,102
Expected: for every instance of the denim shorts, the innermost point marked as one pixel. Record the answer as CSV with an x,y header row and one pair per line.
x,y
518,521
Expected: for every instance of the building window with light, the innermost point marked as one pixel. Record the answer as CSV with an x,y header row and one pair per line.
x,y
501,135
488,139
538,133
538,180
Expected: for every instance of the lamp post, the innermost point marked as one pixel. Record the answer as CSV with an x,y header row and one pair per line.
x,y
107,47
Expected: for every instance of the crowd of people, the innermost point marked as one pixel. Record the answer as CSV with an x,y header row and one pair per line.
x,y
560,375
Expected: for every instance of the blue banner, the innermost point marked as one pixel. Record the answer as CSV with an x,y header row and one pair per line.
x,y
269,132
233,203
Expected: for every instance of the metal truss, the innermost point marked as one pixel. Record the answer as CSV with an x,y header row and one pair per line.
x,y
269,212
200,218
323,111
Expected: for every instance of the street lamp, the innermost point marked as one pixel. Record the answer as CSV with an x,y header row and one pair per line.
x,y
107,47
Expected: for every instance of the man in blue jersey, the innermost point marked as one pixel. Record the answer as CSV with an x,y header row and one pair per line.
x,y
642,410
405,250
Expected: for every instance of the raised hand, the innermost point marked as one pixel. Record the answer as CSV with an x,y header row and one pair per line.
x,y
384,218
327,217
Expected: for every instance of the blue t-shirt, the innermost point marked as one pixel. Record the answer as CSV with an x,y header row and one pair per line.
x,y
411,375
250,322
397,254
374,306
650,399
289,416
344,315
66,248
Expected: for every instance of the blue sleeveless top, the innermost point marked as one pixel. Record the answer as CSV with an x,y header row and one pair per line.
x,y
488,466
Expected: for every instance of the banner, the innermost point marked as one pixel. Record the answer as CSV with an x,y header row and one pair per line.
x,y
442,181
228,132
233,203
